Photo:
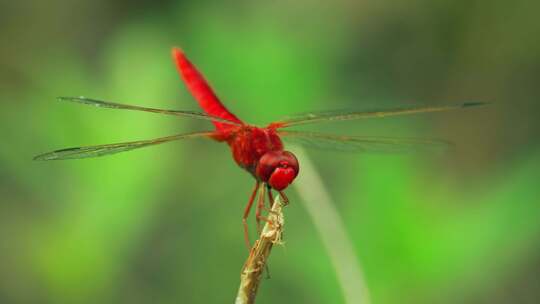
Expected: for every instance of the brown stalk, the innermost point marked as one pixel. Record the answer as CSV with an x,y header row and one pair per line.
x,y
253,269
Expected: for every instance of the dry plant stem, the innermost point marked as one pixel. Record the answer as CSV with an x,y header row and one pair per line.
x,y
254,266
332,231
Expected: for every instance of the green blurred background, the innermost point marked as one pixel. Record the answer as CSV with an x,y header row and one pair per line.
x,y
162,225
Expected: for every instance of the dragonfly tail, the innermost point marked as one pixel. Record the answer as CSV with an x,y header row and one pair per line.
x,y
201,90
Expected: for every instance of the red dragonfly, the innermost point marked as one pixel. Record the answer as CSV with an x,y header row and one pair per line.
x,y
258,150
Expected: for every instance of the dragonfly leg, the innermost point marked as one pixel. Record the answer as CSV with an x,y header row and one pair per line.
x,y
267,271
246,214
270,196
260,206
271,201
284,198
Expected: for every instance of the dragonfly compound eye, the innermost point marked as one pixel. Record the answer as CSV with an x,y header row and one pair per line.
x,y
278,169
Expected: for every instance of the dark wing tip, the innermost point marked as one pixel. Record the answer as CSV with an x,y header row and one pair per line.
x,y
71,99
474,104
46,156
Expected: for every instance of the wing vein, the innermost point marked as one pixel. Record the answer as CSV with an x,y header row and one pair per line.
x,y
362,143
114,105
352,115
108,149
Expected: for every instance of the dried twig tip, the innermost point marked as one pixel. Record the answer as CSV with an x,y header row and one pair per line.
x,y
254,266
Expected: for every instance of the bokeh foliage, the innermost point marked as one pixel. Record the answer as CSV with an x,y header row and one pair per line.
x,y
162,225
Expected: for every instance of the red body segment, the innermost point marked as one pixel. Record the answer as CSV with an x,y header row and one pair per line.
x,y
278,168
248,143
201,91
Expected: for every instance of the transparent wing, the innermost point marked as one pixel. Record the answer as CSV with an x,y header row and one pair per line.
x,y
369,144
114,105
102,150
351,115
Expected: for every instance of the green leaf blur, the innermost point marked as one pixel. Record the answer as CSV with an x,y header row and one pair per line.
x,y
163,224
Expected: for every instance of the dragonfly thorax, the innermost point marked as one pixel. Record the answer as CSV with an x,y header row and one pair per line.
x,y
260,152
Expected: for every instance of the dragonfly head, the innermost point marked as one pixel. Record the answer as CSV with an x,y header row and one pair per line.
x,y
278,169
